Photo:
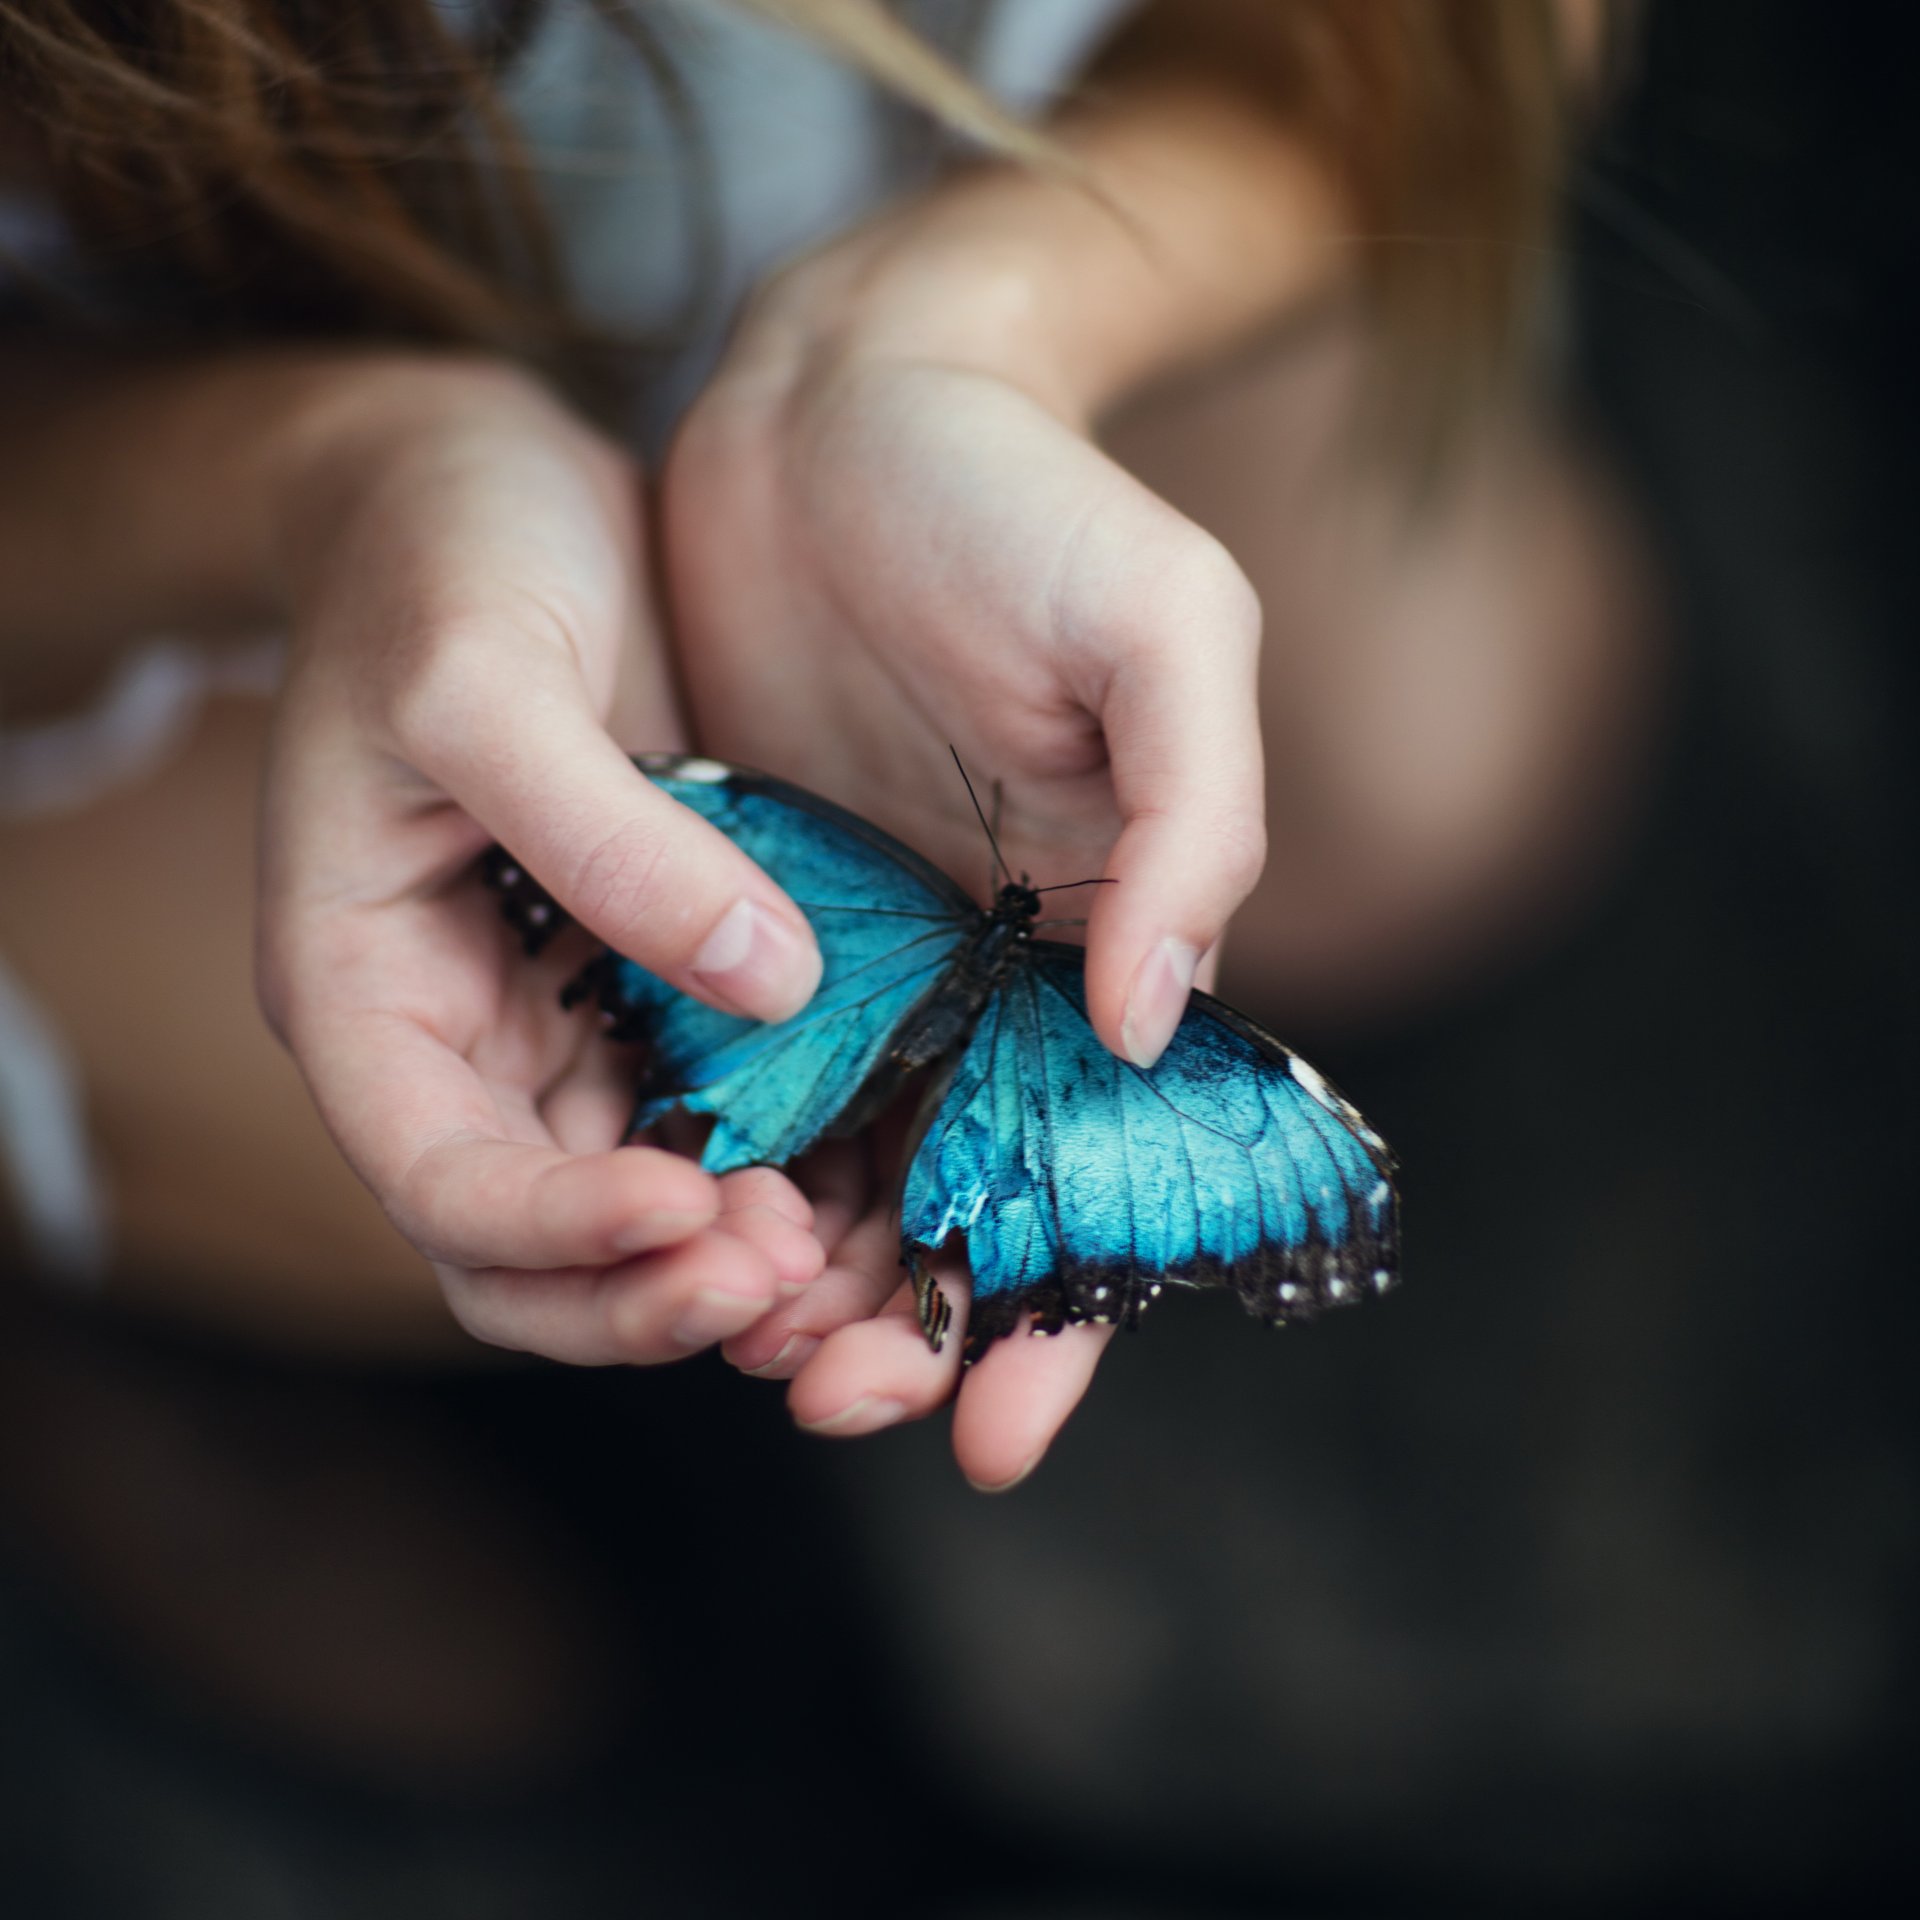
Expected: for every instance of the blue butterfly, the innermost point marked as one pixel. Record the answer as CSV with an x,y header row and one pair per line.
x,y
1081,1185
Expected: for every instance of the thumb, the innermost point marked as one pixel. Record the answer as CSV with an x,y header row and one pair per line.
x,y
648,876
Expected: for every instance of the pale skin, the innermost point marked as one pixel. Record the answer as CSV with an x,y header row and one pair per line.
x,y
900,438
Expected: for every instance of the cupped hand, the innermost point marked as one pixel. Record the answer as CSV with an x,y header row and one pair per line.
x,y
852,1347
472,630
875,549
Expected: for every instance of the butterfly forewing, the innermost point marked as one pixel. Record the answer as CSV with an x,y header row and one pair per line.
x,y
888,925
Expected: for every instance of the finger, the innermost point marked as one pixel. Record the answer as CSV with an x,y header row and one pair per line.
x,y
838,1180
766,1187
861,1276
473,1201
770,1350
424,1131
764,1208
661,1307
588,1108
878,1372
790,1250
1016,1398
649,876
1181,720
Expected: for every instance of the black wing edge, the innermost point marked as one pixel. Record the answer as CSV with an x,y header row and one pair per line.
x,y
1279,1286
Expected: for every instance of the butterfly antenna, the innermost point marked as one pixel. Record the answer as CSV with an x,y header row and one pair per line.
x,y
1104,881
999,859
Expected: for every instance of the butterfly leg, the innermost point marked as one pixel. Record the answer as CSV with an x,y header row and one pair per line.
x,y
936,1311
592,982
599,981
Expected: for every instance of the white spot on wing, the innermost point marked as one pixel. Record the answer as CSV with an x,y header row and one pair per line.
x,y
1309,1077
708,773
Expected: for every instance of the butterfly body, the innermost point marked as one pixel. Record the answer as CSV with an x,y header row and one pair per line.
x,y
950,1011
1081,1185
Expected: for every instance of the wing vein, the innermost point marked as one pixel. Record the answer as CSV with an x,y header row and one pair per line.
x,y
1044,1102
883,913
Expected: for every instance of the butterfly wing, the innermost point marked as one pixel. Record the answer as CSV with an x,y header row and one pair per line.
x,y
888,924
1083,1185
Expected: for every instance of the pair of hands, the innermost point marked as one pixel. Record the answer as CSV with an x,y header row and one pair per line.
x,y
866,552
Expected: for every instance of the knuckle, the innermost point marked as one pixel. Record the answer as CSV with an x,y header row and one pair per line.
x,y
1239,843
1193,602
428,698
1215,591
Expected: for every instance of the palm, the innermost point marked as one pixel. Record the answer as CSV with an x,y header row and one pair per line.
x,y
907,571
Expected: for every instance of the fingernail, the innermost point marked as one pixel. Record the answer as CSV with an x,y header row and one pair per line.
x,y
784,1364
1003,1486
767,1366
789,1247
714,1315
1158,999
755,960
868,1414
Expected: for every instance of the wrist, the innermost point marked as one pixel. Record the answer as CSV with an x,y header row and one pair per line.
x,y
1191,219
352,427
936,284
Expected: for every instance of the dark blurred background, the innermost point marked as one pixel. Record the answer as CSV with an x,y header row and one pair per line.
x,y
1578,1577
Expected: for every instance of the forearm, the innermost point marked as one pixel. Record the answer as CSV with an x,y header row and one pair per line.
x,y
134,494
145,496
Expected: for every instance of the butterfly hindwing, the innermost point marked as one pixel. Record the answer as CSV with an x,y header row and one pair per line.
x,y
1082,1185
888,925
